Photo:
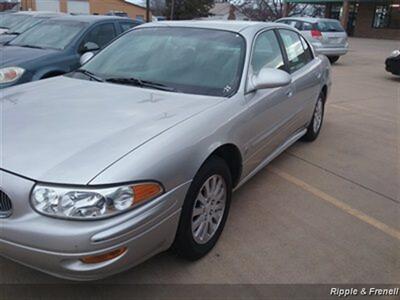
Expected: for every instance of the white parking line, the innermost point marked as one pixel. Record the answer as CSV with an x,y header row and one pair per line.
x,y
339,204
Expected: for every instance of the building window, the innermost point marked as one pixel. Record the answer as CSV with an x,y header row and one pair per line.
x,y
387,16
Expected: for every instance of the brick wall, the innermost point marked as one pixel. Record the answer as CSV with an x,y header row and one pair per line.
x,y
363,28
100,7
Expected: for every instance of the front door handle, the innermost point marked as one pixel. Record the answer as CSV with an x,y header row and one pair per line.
x,y
289,93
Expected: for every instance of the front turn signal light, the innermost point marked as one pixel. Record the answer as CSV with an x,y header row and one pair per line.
x,y
146,191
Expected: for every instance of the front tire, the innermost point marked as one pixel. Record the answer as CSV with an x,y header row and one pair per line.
x,y
315,125
333,59
205,210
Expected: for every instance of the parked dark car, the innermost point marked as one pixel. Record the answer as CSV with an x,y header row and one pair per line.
x,y
55,47
393,63
33,19
9,19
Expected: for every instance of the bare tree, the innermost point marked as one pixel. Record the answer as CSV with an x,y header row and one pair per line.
x,y
267,10
157,7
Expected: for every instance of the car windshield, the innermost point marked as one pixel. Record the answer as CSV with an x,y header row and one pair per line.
x,y
52,34
9,20
329,26
188,60
25,25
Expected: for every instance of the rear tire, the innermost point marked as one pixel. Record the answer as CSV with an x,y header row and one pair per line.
x,y
205,210
315,125
333,59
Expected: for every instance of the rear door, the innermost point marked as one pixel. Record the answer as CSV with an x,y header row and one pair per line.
x,y
333,34
306,76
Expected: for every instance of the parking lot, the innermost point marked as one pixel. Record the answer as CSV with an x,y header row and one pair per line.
x,y
325,212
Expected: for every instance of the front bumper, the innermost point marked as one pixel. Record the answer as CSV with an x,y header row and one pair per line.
x,y
393,65
56,246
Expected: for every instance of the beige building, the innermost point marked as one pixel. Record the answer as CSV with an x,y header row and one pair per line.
x,y
101,7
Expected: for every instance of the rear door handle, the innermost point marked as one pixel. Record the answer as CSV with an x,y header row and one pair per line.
x,y
319,75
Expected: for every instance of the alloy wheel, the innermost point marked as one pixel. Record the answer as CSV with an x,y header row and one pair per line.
x,y
208,209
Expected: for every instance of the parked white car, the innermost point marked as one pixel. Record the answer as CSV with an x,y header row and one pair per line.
x,y
326,35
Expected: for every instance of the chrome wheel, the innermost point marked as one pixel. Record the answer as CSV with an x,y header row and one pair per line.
x,y
208,209
318,115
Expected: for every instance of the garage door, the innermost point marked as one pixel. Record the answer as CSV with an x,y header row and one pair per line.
x,y
78,7
48,5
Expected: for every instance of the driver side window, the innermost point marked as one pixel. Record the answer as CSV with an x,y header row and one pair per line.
x,y
267,53
100,35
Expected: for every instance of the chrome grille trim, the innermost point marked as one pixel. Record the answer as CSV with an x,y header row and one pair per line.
x,y
5,205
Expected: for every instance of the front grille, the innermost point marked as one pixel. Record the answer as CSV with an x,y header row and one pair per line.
x,y
5,205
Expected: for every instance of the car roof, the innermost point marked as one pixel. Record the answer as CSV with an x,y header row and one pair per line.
x,y
307,19
89,18
235,26
41,13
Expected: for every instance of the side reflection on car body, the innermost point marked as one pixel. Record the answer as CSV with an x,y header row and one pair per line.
x,y
140,149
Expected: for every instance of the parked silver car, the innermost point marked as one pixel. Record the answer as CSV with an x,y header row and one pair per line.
x,y
141,148
326,35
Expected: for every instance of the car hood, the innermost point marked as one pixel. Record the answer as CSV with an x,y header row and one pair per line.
x,y
15,56
65,130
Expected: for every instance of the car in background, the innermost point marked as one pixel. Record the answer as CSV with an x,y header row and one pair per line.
x,y
393,62
326,35
8,19
117,13
55,46
141,148
34,19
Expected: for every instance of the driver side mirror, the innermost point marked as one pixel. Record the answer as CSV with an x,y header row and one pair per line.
x,y
90,47
86,57
269,78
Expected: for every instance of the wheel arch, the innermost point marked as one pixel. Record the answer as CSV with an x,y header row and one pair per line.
x,y
231,154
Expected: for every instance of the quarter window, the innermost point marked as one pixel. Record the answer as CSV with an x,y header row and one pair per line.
x,y
267,53
297,55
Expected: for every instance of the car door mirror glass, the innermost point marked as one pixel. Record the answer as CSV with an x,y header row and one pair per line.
x,y
270,78
90,47
86,57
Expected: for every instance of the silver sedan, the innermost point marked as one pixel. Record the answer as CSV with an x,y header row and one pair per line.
x,y
140,149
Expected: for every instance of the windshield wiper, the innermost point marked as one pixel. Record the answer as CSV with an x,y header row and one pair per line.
x,y
141,83
11,33
29,46
90,74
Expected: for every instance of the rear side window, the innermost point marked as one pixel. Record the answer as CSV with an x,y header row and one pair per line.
x,y
127,25
267,53
293,23
297,55
307,26
329,26
101,35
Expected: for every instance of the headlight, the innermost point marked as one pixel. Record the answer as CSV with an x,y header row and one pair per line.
x,y
91,203
395,53
10,74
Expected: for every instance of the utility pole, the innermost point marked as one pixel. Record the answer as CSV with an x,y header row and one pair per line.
x,y
147,10
172,9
